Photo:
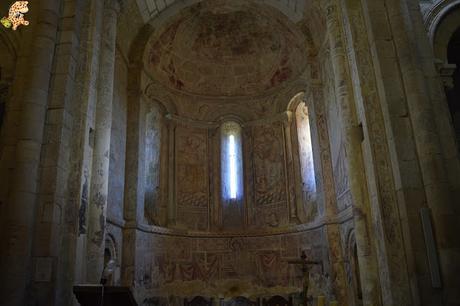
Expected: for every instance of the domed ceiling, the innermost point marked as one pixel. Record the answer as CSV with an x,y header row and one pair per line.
x,y
231,48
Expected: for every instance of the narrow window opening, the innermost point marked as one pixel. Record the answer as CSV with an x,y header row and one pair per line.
x,y
231,175
232,166
305,152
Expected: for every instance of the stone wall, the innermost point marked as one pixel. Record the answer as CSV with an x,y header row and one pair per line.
x,y
100,151
118,142
175,267
193,179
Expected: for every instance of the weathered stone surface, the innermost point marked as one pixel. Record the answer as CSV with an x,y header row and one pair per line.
x,y
111,120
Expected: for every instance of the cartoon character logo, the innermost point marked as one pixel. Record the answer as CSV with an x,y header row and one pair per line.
x,y
16,15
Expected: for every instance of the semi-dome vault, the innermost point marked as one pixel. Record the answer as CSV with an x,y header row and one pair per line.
x,y
217,48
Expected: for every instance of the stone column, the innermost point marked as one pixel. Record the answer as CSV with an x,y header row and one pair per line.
x,y
316,107
172,174
133,211
352,132
30,96
414,95
101,153
293,202
386,211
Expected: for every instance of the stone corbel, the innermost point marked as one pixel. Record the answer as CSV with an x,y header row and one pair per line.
x,y
446,72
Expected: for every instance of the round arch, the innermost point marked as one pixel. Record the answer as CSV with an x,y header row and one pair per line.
x,y
436,13
155,12
441,24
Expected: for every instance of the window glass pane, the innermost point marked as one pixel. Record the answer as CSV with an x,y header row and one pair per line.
x,y
231,161
305,152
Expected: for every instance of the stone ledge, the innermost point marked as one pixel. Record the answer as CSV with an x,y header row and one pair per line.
x,y
344,216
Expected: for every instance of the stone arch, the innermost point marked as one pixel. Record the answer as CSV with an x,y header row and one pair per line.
x,y
296,99
159,12
166,103
436,13
353,271
443,21
445,31
151,10
111,246
111,253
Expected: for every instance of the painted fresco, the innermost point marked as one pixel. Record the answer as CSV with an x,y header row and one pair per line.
x,y
269,175
192,178
228,267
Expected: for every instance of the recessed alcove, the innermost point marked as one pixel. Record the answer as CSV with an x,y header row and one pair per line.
x,y
233,169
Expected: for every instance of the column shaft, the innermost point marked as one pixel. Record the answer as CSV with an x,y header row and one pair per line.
x,y
358,184
101,153
36,60
332,229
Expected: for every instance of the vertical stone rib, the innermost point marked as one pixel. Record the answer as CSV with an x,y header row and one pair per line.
x,y
384,204
332,230
358,184
101,153
425,117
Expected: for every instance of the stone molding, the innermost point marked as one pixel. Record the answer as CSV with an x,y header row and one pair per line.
x,y
434,15
157,9
344,216
284,117
295,85
116,222
179,120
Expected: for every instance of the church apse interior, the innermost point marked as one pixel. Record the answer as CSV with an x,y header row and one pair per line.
x,y
230,152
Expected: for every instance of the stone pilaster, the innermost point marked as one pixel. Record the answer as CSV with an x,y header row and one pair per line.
x,y
293,204
358,184
332,229
386,215
172,174
101,153
428,158
133,209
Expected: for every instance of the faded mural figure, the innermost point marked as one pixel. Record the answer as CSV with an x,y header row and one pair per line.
x,y
269,166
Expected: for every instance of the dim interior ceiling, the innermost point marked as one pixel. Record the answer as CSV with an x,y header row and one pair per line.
x,y
226,48
150,9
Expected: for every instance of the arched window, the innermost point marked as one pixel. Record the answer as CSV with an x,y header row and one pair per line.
x,y
231,174
305,152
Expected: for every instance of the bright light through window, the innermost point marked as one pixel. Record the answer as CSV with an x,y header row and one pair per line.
x,y
232,166
306,152
231,162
